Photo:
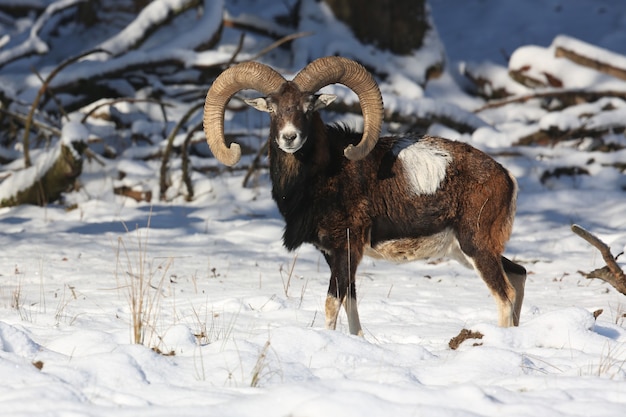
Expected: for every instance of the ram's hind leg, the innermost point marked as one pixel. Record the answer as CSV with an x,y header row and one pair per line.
x,y
489,267
517,277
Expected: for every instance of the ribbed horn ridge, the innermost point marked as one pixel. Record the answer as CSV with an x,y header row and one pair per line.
x,y
339,70
247,75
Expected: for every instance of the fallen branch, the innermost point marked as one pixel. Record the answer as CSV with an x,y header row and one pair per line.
x,y
590,56
611,273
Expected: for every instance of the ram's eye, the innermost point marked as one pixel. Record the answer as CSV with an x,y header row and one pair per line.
x,y
309,105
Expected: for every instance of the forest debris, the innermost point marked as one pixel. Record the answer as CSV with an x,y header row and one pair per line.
x,y
561,171
137,195
612,273
557,74
525,76
465,334
492,81
535,67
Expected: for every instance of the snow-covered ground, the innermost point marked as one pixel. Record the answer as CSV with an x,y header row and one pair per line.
x,y
237,322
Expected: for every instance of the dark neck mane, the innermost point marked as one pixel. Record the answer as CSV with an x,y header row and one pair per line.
x,y
293,178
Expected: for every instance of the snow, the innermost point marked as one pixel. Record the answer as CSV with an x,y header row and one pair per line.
x,y
239,322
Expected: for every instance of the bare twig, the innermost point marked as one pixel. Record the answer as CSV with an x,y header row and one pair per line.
x,y
186,165
255,163
169,147
264,51
279,42
54,97
237,50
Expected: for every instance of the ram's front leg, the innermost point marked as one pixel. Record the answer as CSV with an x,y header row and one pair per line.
x,y
342,290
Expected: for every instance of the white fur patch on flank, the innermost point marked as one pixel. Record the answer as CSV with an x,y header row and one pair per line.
x,y
424,164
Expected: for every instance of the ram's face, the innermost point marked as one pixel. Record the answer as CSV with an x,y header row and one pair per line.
x,y
291,113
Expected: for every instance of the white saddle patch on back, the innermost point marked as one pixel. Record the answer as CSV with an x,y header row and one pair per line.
x,y
424,164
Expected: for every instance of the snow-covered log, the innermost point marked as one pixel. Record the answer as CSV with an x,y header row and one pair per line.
x,y
158,13
585,54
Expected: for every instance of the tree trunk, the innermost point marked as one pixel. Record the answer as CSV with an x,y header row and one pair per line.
x,y
395,25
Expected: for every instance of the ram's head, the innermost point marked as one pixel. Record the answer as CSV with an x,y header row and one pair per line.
x,y
291,103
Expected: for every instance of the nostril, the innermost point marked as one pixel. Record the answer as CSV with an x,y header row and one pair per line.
x,y
290,137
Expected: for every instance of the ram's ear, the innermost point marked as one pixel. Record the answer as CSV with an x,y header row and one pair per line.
x,y
323,100
258,103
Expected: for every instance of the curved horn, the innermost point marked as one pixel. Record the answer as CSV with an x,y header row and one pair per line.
x,y
247,75
334,69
